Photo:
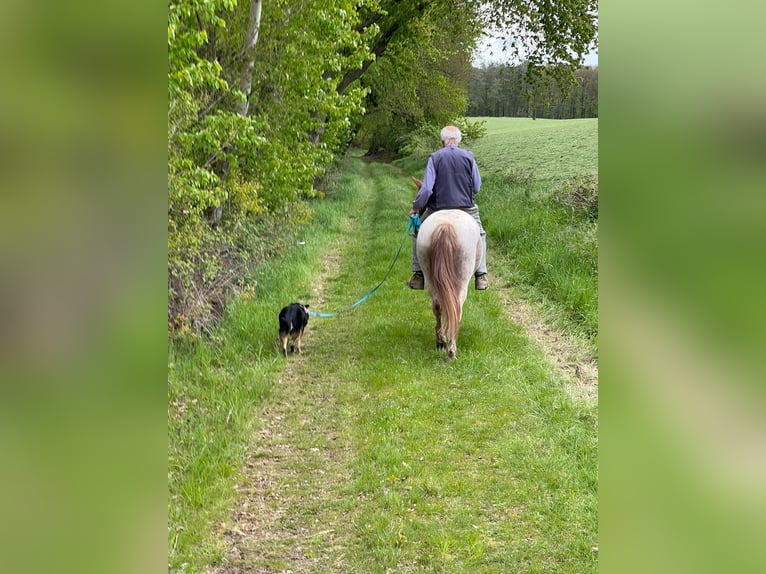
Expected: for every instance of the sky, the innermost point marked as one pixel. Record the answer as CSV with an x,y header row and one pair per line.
x,y
490,51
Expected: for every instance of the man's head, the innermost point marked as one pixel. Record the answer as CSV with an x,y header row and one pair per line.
x,y
451,135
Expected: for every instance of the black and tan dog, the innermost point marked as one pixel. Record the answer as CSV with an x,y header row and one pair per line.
x,y
292,321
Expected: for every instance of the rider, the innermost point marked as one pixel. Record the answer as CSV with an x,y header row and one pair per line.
x,y
451,180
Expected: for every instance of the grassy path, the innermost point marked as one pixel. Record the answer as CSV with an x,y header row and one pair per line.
x,y
373,454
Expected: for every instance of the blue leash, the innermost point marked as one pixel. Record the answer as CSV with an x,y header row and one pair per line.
x,y
412,225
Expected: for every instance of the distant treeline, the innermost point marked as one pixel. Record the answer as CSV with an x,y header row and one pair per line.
x,y
502,91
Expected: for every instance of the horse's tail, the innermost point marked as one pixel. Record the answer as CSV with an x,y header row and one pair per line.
x,y
445,276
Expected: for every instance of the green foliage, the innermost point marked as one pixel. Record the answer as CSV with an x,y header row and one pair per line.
x,y
471,131
420,142
551,38
424,140
424,77
201,144
230,174
417,84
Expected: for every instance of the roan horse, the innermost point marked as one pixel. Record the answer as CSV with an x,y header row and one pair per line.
x,y
449,250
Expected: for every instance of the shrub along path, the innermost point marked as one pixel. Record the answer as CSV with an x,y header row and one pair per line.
x,y
374,454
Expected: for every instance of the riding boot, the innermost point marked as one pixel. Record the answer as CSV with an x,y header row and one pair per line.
x,y
416,281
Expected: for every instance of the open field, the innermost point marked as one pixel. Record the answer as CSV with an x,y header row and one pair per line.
x,y
543,149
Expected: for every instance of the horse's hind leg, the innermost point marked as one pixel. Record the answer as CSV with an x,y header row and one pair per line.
x,y
441,342
452,344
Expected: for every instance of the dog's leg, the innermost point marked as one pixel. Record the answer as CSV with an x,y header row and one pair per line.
x,y
298,339
292,342
283,339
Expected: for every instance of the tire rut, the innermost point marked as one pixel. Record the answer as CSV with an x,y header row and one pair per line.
x,y
290,515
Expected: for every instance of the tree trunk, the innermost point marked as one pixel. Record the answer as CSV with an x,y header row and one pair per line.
x,y
248,55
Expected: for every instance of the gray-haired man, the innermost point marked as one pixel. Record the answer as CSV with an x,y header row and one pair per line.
x,y
451,181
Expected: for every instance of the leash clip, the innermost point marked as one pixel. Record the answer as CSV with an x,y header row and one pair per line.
x,y
415,222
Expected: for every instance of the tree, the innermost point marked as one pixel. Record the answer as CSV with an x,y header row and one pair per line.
x,y
552,38
418,56
248,83
415,85
248,55
501,90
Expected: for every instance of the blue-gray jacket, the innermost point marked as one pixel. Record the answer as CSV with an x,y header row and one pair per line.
x,y
451,180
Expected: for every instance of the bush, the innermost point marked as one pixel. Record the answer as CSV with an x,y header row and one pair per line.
x,y
202,279
423,141
420,143
472,131
580,195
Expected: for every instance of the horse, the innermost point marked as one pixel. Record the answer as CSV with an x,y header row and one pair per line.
x,y
449,250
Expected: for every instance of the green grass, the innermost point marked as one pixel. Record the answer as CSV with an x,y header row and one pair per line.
x,y
484,464
548,250
541,149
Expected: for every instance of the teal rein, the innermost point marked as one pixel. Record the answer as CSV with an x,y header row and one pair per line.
x,y
412,225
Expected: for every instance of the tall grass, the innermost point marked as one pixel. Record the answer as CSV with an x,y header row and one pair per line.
x,y
548,249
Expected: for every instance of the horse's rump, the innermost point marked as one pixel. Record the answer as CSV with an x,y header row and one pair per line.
x,y
449,251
